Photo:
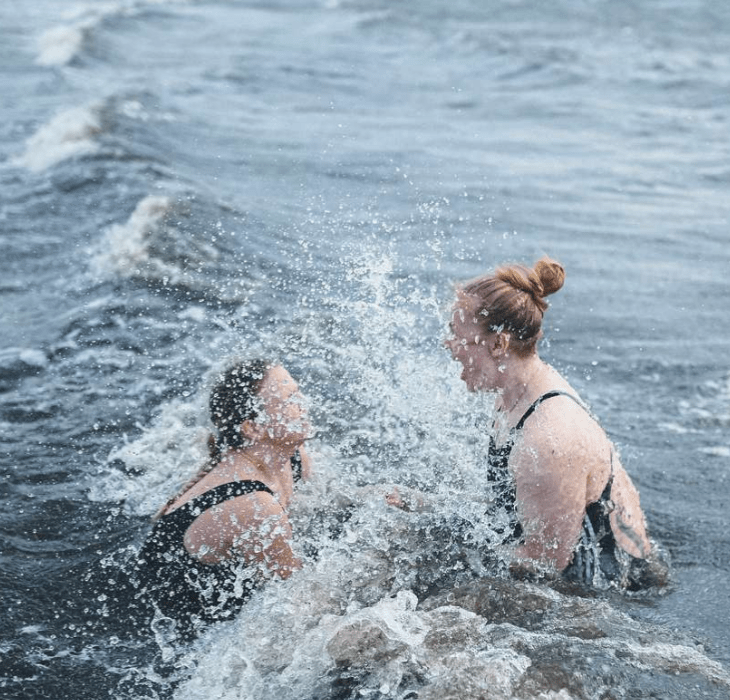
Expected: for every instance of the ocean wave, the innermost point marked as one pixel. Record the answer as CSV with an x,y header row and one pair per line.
x,y
68,134
148,246
62,44
79,131
125,247
58,46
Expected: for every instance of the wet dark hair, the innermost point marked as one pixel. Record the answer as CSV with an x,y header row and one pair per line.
x,y
234,399
513,299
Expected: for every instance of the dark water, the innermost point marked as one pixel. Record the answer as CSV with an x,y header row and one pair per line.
x,y
181,182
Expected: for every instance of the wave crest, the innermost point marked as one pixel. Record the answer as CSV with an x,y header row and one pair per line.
x,y
69,134
148,246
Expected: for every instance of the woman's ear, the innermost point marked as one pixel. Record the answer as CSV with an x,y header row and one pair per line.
x,y
499,344
251,430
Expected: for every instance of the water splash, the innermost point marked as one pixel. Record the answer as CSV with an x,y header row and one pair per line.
x,y
393,604
158,462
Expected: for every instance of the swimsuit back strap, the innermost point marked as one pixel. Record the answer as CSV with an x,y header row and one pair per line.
x,y
544,397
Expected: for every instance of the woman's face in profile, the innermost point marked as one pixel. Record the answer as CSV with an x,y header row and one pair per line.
x,y
469,346
284,413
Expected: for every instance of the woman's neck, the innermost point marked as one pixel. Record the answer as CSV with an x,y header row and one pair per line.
x,y
524,381
266,462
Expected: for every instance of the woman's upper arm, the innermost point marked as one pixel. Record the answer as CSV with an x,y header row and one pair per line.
x,y
263,534
550,478
627,518
253,527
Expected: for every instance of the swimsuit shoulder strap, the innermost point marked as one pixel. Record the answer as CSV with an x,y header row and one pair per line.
x,y
172,526
186,513
606,495
547,395
225,492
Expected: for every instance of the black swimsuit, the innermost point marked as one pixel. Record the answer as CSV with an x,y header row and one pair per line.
x,y
596,558
179,585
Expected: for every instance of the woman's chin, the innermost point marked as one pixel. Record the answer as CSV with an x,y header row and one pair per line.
x,y
469,380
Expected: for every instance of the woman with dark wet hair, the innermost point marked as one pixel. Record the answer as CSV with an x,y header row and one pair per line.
x,y
573,507
228,529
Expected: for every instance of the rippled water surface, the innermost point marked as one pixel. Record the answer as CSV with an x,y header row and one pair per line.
x,y
185,181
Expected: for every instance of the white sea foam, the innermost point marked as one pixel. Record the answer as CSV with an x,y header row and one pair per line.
x,y
60,45
293,660
69,134
301,637
151,247
125,247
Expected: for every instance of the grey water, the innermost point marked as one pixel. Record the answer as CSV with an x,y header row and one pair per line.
x,y
186,181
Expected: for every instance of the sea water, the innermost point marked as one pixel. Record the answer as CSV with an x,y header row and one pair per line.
x,y
185,182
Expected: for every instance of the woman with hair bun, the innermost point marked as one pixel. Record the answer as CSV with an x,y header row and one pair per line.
x,y
572,506
228,527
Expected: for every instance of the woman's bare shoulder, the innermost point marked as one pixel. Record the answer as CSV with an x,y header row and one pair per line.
x,y
562,440
255,506
563,421
217,529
